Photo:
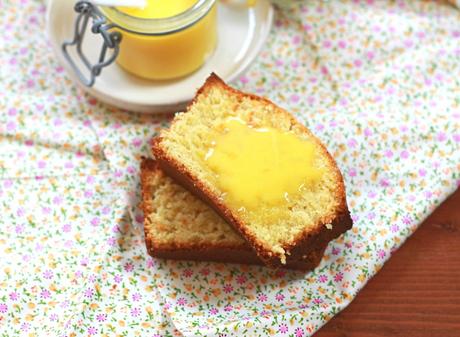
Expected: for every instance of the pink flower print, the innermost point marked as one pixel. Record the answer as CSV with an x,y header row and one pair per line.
x,y
294,98
279,62
342,44
117,278
112,242
129,267
298,332
352,172
228,308
407,219
136,297
327,44
213,311
135,312
13,61
241,279
422,172
25,326
456,33
404,154
279,297
41,164
57,200
92,330
381,253
89,293
420,35
88,194
131,170
352,143
367,132
137,142
244,79
14,296
372,194
358,63
371,215
294,64
19,229
324,70
457,138
428,194
306,27
67,228
384,182
48,274
441,136
283,328
394,228
30,83
139,218
181,301
150,263
54,317
296,39
370,55
262,297
322,278
29,142
12,112
95,221
101,317
45,293
187,273
317,301
3,308
388,153
408,43
319,127
228,288
335,251
10,126
338,277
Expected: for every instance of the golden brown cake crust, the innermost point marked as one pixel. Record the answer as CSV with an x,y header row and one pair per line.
x,y
328,228
219,253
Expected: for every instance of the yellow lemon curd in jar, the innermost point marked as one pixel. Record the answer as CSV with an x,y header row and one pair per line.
x,y
172,54
261,169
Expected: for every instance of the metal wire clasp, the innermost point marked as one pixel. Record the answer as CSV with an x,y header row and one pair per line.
x,y
111,40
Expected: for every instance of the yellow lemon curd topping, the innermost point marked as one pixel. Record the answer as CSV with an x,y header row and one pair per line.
x,y
157,9
170,55
261,168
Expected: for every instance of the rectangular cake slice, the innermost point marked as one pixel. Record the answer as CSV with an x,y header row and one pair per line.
x,y
260,169
179,226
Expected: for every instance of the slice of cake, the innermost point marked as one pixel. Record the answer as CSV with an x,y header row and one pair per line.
x,y
261,170
177,225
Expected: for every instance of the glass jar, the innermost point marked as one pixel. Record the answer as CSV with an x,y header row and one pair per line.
x,y
165,48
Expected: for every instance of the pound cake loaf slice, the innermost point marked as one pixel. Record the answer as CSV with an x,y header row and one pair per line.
x,y
179,226
260,169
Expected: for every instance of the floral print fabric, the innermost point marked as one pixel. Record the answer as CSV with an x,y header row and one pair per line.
x,y
375,80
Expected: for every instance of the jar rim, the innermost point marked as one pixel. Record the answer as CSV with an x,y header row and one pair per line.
x,y
157,26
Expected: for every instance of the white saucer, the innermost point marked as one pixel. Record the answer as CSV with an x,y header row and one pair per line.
x,y
241,33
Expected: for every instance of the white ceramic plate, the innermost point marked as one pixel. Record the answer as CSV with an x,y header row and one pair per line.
x,y
241,33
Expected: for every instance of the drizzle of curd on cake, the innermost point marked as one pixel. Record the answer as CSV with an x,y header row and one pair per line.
x,y
260,169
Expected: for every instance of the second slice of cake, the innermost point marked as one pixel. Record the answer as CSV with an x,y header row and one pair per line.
x,y
261,170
